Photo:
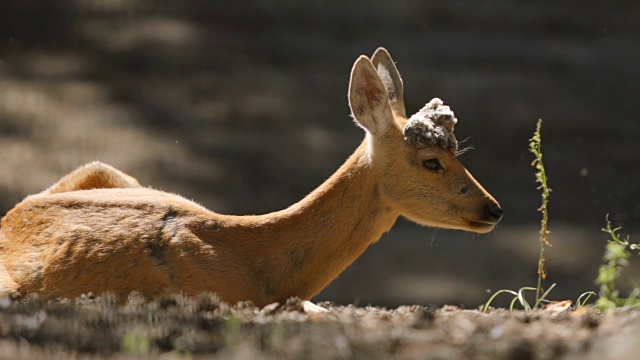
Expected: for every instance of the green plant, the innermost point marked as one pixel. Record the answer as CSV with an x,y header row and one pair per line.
x,y
518,297
584,298
535,147
136,342
616,258
232,330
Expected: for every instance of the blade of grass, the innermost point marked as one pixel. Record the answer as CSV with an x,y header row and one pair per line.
x,y
488,303
587,295
522,299
543,298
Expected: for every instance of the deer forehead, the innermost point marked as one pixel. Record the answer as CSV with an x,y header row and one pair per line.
x,y
432,125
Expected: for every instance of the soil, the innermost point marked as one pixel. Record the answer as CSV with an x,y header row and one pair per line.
x,y
176,326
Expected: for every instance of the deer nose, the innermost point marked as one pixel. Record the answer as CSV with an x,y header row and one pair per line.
x,y
493,212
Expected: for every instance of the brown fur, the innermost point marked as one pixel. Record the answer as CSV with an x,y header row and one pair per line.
x,y
97,230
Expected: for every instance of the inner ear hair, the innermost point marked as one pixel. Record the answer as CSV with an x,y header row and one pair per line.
x,y
390,76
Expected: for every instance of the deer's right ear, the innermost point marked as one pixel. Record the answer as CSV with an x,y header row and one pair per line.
x,y
369,99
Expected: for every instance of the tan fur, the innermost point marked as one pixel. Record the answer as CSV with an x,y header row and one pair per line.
x,y
95,175
97,230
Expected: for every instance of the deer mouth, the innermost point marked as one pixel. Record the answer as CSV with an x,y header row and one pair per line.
x,y
491,216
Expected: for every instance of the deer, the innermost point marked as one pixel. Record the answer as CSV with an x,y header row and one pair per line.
x,y
98,230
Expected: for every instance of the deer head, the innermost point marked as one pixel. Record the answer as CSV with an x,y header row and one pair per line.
x,y
414,159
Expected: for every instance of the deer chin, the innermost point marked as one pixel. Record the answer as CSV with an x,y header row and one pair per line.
x,y
481,227
476,226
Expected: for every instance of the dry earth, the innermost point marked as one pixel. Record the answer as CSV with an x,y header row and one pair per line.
x,y
178,327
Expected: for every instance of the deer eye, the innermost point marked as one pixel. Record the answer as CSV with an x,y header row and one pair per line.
x,y
432,165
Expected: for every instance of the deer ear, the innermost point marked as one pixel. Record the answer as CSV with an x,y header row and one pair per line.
x,y
368,98
391,79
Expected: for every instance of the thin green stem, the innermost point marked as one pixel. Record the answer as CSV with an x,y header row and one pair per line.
x,y
535,147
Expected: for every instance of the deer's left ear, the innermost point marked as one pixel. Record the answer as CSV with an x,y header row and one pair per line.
x,y
391,79
369,99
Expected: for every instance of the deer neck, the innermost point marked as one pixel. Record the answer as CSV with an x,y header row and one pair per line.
x,y
317,238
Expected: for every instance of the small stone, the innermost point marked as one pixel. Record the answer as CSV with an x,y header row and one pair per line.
x,y
5,302
496,333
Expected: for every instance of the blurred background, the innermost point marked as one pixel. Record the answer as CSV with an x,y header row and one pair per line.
x,y
242,106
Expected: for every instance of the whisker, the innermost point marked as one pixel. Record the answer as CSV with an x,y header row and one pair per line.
x,y
464,140
433,237
464,150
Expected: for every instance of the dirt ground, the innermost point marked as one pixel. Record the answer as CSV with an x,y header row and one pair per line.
x,y
179,327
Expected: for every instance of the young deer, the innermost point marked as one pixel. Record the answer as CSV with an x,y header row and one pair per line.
x,y
98,230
